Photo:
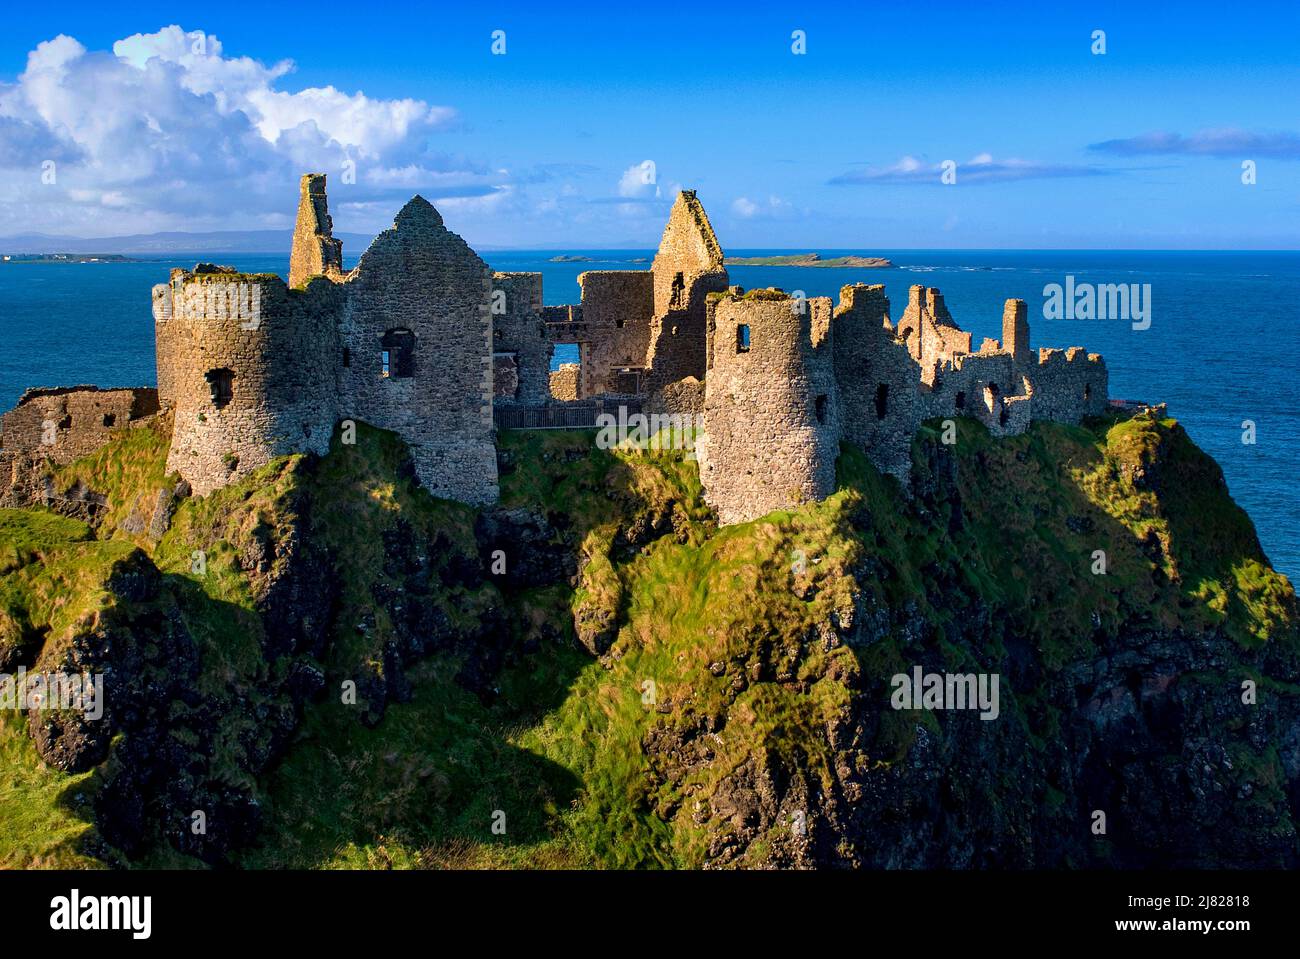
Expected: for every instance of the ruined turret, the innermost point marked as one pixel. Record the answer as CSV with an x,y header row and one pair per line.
x,y
687,267
1015,331
928,329
315,251
771,409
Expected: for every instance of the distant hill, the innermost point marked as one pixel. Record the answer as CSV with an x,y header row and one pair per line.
x,y
158,244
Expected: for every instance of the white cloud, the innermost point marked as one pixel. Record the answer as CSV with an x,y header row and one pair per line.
x,y
171,131
168,132
639,181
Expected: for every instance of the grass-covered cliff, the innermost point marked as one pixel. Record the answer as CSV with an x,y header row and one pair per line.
x,y
340,671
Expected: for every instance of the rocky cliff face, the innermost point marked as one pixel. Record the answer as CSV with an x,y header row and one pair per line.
x,y
334,668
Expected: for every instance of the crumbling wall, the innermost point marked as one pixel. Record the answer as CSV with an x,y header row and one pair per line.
x,y
878,380
564,382
771,413
249,367
58,426
521,348
1006,384
423,296
1015,332
1068,385
684,397
975,385
617,308
315,252
66,423
929,331
687,267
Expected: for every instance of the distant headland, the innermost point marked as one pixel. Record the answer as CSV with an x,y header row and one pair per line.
x,y
66,258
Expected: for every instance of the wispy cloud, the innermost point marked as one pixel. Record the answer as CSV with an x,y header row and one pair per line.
x,y
1228,142
773,208
982,168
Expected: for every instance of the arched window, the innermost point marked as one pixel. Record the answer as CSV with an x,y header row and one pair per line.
x,y
398,355
882,401
820,407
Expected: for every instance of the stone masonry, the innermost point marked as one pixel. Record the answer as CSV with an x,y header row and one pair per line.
x,y
59,426
423,339
315,252
771,418
255,368
763,450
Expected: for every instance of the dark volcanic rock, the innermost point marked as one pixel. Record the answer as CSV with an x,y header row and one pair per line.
x,y
533,552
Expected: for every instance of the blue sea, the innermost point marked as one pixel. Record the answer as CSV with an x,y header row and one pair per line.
x,y
1223,346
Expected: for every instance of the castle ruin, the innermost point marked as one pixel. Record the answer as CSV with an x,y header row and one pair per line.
x,y
423,339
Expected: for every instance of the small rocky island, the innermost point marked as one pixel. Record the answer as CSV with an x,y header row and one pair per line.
x,y
809,259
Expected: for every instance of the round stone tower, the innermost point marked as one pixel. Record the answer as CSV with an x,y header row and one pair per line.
x,y
771,408
247,366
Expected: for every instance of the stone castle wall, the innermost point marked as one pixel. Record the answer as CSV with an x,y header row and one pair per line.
x,y
315,251
617,308
1068,385
928,329
771,417
422,339
884,382
638,331
687,268
248,369
564,382
421,290
58,426
521,347
1007,384
254,369
66,423
877,380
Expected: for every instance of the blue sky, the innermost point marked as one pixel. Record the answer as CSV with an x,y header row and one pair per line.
x,y
548,144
